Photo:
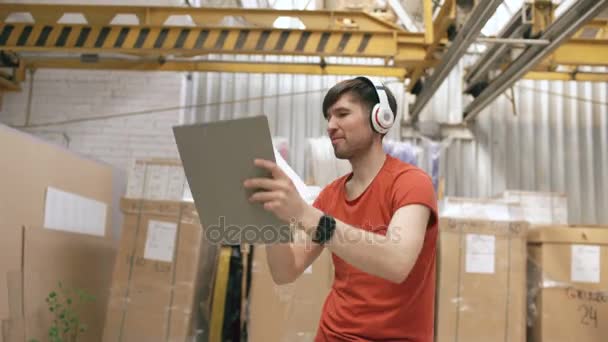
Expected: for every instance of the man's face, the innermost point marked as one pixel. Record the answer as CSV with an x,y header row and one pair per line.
x,y
348,127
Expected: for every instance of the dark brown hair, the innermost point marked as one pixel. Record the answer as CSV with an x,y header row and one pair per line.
x,y
362,90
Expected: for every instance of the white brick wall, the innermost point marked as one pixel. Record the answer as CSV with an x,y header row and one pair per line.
x,y
60,95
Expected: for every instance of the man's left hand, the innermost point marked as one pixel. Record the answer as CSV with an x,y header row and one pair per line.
x,y
277,194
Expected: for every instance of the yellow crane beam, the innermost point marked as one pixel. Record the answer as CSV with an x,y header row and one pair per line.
x,y
403,48
567,76
199,16
593,52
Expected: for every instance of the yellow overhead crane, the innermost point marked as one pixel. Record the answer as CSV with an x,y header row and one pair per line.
x,y
158,45
144,38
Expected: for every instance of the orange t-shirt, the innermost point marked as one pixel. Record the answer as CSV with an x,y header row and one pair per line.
x,y
364,307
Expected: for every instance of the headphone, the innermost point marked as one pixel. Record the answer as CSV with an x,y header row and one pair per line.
x,y
381,117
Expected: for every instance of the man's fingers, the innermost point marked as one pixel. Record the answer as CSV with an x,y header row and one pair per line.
x,y
271,205
263,183
266,196
274,169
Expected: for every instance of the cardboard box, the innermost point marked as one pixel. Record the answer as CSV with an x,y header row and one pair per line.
x,y
40,259
481,292
163,271
539,208
30,166
157,179
568,272
287,312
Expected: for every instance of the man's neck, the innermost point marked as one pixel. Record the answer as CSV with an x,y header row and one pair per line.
x,y
367,165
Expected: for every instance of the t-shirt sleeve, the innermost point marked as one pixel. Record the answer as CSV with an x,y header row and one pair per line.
x,y
414,187
319,202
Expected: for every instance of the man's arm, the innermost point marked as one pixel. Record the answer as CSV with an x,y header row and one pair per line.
x,y
392,256
288,261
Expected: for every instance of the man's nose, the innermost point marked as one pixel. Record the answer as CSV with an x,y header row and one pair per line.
x,y
331,124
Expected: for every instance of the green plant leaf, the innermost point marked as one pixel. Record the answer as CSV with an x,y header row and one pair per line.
x,y
53,294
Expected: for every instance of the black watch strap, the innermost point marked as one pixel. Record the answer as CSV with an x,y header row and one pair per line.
x,y
325,229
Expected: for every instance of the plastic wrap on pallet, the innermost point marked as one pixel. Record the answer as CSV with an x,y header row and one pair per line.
x,y
162,281
539,208
291,312
568,283
156,179
482,209
481,285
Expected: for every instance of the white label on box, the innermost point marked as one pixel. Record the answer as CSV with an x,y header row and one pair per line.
x,y
160,242
308,269
480,253
585,264
74,213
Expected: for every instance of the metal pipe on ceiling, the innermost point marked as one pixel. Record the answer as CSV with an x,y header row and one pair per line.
x,y
466,36
560,30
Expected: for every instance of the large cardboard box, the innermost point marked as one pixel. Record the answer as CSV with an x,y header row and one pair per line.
x,y
481,292
163,271
289,312
568,273
30,166
39,260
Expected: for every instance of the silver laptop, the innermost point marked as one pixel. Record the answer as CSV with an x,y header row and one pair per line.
x,y
217,158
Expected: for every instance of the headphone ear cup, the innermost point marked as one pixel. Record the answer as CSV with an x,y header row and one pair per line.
x,y
382,119
372,118
386,118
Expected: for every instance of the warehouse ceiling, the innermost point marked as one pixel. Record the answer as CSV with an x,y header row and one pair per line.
x,y
418,41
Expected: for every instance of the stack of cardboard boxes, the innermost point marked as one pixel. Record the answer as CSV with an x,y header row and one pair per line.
x,y
288,312
481,283
511,269
568,283
163,276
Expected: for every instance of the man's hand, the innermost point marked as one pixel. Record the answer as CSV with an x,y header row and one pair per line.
x,y
278,194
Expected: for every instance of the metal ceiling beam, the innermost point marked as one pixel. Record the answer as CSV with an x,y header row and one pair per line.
x,y
437,30
403,16
8,85
513,29
465,37
216,66
558,32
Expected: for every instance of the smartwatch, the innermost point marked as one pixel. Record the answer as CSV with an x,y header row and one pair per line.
x,y
325,229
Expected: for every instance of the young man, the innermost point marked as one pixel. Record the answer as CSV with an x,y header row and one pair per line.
x,y
379,222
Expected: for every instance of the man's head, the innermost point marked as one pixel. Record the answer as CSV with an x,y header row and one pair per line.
x,y
347,107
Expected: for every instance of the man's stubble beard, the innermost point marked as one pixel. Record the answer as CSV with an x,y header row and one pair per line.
x,y
349,153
